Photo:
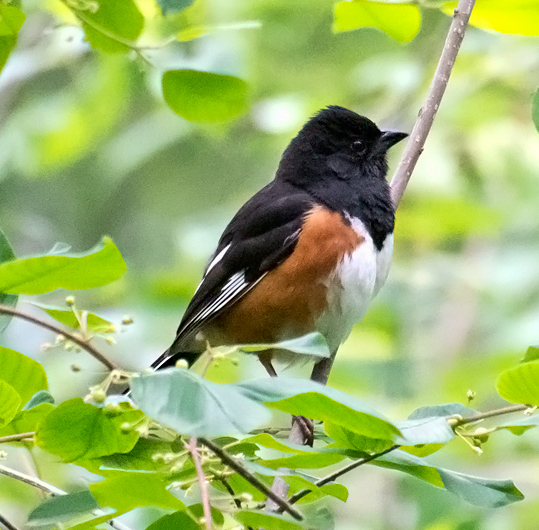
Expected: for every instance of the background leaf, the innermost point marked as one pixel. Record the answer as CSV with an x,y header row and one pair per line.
x,y
62,508
99,266
520,384
6,254
175,520
204,96
169,7
399,21
10,403
310,344
535,109
94,323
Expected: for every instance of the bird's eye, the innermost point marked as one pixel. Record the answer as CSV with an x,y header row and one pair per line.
x,y
358,146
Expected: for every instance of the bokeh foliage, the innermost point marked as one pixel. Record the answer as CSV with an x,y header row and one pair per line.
x,y
89,147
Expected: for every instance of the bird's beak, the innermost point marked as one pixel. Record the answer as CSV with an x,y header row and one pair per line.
x,y
390,138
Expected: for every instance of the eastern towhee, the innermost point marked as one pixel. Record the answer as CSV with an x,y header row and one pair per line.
x,y
307,253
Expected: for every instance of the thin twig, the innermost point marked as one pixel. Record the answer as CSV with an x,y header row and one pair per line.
x,y
414,146
491,414
21,437
4,522
52,490
331,477
192,447
85,345
249,477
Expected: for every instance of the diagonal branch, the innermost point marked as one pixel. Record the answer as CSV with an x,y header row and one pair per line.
x,y
192,448
414,146
249,477
84,344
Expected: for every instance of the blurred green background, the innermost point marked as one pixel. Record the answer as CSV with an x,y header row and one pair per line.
x,y
87,148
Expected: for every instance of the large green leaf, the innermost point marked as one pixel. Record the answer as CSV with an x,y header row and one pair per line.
x,y
259,519
27,420
175,520
126,491
99,266
204,96
62,508
10,403
399,20
489,493
319,402
186,402
11,21
535,110
344,438
79,430
518,17
6,254
313,344
114,26
25,375
520,384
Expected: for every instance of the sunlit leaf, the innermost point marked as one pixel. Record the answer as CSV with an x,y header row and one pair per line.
x,y
127,491
518,17
191,405
10,403
197,511
259,519
348,439
520,384
489,493
25,375
62,508
27,420
79,430
204,96
175,520
99,266
399,20
311,344
11,21
94,323
535,110
297,482
532,354
6,254
169,7
114,26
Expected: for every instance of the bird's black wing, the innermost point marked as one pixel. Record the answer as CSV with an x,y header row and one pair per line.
x,y
261,235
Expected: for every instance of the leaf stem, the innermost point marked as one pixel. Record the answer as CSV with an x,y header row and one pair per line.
x,y
231,462
84,344
17,437
192,447
491,414
423,124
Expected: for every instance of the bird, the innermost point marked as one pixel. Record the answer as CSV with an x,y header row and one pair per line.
x,y
307,253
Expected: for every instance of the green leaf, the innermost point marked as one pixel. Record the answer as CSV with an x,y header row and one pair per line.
x,y
518,17
184,401
99,266
25,375
62,508
10,402
204,96
520,384
27,420
319,402
79,430
169,7
6,254
532,354
535,110
423,431
11,21
350,440
197,511
488,493
264,520
40,397
127,491
94,323
519,426
298,483
313,344
113,27
443,411
175,520
400,21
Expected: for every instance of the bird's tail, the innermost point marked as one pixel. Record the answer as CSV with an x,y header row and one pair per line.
x,y
170,358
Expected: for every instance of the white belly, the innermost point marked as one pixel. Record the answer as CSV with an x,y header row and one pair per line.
x,y
354,284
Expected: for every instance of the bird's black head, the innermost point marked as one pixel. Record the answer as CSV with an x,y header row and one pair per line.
x,y
337,143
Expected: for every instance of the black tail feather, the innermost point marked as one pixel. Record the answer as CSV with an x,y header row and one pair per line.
x,y
168,359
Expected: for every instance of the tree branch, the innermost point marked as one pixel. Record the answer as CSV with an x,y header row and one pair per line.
x,y
5,523
85,345
21,437
192,448
491,414
249,477
414,146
